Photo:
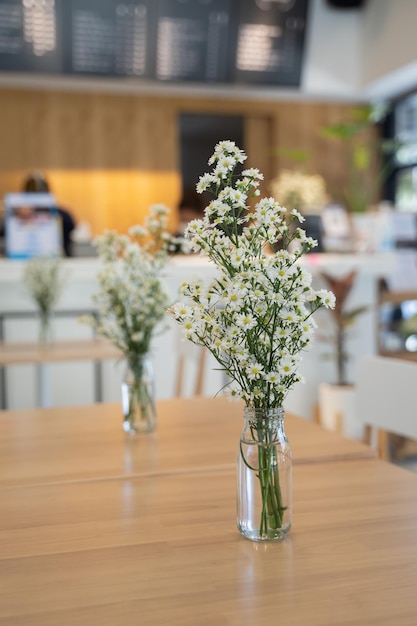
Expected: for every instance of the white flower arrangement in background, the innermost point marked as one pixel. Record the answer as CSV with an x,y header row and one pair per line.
x,y
44,281
256,316
304,192
132,301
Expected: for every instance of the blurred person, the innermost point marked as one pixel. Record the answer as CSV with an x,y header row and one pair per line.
x,y
37,183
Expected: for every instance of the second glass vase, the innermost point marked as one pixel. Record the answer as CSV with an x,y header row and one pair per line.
x,y
138,395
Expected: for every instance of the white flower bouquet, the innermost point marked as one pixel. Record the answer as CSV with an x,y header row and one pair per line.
x,y
44,282
132,299
256,316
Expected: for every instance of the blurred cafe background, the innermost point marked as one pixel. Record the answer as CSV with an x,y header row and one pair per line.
x,y
116,105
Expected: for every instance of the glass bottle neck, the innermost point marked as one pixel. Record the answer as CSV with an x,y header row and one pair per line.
x,y
263,426
254,415
138,364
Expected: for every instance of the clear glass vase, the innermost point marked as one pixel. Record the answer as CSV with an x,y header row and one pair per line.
x,y
138,394
264,476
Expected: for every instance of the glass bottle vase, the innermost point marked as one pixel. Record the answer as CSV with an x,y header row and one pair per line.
x,y
264,476
138,394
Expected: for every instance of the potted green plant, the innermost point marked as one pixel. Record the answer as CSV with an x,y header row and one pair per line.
x,y
367,157
368,164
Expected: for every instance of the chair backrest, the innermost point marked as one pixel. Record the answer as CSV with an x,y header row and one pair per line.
x,y
386,394
191,367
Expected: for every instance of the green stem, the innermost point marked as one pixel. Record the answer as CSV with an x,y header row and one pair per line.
x,y
45,328
272,509
140,397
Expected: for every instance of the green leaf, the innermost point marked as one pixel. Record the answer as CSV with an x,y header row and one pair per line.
x,y
350,316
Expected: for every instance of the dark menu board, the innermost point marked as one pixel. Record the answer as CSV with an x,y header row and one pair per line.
x,y
217,41
109,37
270,39
31,36
193,40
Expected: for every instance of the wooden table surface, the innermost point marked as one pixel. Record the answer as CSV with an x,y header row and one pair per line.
x,y
79,443
164,551
160,548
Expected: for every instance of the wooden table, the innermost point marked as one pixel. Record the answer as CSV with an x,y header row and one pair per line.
x,y
161,548
96,350
77,350
78,443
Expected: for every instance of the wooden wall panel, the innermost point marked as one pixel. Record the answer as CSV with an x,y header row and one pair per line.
x,y
259,147
108,157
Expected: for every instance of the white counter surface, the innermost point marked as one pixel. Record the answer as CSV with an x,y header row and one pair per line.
x,y
86,269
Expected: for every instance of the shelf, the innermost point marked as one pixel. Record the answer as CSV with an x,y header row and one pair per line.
x,y
87,350
396,297
399,354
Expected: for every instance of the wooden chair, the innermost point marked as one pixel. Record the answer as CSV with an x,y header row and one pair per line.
x,y
191,365
386,399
